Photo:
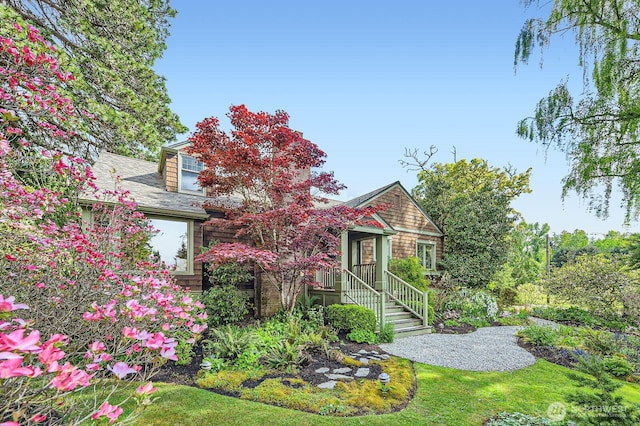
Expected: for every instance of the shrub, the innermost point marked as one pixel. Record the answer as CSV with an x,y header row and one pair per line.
x,y
387,333
513,321
528,294
538,335
597,389
224,305
351,317
571,314
617,366
286,356
596,282
599,341
517,419
361,336
431,314
231,273
410,270
184,349
211,363
507,296
477,306
228,342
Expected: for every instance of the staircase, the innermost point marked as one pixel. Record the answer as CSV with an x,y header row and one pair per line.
x,y
405,323
397,303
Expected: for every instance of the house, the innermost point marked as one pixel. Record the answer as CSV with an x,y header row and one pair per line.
x,y
168,194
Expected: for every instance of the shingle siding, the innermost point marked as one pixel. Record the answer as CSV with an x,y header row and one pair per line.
x,y
170,173
403,215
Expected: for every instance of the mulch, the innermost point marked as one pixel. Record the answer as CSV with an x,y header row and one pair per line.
x,y
554,355
186,374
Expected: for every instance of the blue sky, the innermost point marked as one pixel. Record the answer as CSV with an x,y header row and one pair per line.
x,y
364,80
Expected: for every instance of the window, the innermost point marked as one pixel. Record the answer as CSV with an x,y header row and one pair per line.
x,y
426,253
173,244
189,170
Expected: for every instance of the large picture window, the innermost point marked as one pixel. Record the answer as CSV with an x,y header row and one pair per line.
x,y
426,253
189,170
173,244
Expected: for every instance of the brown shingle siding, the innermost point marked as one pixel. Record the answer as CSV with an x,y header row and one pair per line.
x,y
402,212
170,173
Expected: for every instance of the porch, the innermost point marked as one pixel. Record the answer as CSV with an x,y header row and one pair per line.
x,y
363,279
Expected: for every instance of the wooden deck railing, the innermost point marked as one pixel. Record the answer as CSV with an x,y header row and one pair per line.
x,y
327,278
366,272
408,296
360,293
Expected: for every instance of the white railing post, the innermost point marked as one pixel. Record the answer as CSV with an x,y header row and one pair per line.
x,y
382,311
425,318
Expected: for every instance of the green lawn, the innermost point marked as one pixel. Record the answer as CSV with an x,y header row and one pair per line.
x,y
444,397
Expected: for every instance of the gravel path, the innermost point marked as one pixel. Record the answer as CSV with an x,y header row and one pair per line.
x,y
486,349
544,322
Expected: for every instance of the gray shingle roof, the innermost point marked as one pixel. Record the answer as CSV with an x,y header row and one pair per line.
x,y
147,188
355,202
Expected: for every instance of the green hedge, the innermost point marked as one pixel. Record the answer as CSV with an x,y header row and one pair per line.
x,y
351,317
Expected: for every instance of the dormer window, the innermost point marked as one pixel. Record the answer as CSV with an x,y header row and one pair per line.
x,y
189,170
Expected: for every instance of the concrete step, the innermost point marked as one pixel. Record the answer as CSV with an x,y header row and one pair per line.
x,y
413,331
405,323
392,316
394,310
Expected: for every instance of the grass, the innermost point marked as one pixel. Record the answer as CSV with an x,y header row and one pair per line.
x,y
444,396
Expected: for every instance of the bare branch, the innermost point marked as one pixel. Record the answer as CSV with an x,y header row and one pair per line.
x,y
413,162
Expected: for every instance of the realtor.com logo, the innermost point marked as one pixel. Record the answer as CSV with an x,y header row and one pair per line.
x,y
557,411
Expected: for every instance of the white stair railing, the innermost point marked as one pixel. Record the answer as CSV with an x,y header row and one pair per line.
x,y
408,296
360,293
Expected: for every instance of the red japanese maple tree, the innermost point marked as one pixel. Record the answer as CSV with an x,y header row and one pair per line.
x,y
260,176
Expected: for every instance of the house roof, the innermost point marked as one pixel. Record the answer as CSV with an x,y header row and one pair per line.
x,y
365,199
142,180
362,199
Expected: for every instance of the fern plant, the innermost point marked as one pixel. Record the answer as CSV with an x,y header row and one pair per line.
x,y
229,342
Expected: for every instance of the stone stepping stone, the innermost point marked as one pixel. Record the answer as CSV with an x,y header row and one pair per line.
x,y
338,377
364,360
322,370
340,370
362,372
328,385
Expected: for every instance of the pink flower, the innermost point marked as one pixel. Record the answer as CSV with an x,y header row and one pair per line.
x,y
92,367
156,341
69,378
9,424
7,305
121,369
169,353
17,342
4,147
38,418
130,332
97,347
12,368
146,389
50,354
108,410
196,328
